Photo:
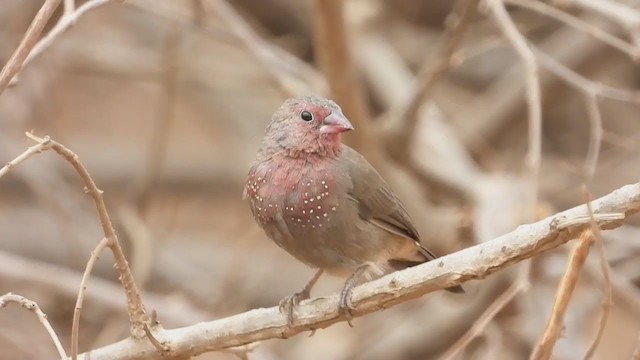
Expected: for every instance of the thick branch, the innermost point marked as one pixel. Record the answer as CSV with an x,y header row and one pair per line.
x,y
476,262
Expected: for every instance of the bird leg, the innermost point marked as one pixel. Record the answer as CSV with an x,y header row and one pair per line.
x,y
289,303
344,306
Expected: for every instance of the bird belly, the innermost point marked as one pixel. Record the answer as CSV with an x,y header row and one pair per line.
x,y
304,213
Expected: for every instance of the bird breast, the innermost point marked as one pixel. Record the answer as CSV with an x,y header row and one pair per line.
x,y
300,192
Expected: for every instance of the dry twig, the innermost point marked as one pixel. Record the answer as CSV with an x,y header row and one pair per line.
x,y
136,309
519,286
401,120
553,330
75,324
17,59
534,99
607,299
293,76
42,317
472,263
596,32
595,134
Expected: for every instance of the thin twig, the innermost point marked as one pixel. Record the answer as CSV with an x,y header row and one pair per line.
x,y
596,32
35,149
616,11
162,348
553,330
519,286
581,83
476,262
136,311
595,134
75,324
67,20
42,317
534,99
607,298
292,75
17,59
402,118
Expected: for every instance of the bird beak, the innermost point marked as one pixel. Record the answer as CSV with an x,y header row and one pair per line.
x,y
335,124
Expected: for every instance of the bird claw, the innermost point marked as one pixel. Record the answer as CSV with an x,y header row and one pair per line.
x,y
344,308
289,304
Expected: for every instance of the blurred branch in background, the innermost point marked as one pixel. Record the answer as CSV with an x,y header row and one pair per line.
x,y
220,68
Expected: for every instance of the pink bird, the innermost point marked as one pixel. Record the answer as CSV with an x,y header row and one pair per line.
x,y
325,204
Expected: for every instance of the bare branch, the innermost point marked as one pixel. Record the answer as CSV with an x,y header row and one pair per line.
x,y
553,330
521,285
293,76
475,262
68,19
136,310
17,59
617,12
42,317
607,298
75,324
596,32
35,149
581,83
595,132
534,99
400,121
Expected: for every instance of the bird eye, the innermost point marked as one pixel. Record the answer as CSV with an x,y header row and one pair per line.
x,y
306,116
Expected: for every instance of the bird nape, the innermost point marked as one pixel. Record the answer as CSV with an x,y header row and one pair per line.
x,y
325,204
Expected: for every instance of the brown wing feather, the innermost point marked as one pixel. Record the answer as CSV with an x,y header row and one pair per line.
x,y
376,202
379,205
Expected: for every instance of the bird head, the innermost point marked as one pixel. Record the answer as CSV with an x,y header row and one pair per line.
x,y
307,125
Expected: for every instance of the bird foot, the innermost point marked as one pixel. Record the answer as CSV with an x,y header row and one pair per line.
x,y
289,304
344,306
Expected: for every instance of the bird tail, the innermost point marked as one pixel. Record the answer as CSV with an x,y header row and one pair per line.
x,y
428,255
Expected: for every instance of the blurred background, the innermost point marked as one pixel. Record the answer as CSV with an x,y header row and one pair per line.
x,y
165,102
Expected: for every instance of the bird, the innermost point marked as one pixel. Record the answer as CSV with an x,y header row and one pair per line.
x,y
325,204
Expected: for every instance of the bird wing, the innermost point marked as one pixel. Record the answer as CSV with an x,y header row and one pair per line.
x,y
376,201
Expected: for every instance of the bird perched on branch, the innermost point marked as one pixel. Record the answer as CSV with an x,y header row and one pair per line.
x,y
323,202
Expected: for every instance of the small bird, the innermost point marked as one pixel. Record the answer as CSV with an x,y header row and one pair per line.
x,y
325,204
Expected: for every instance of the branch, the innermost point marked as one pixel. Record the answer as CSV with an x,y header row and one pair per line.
x,y
293,76
534,101
521,285
476,262
553,330
137,315
576,23
607,298
68,19
42,317
13,66
401,120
